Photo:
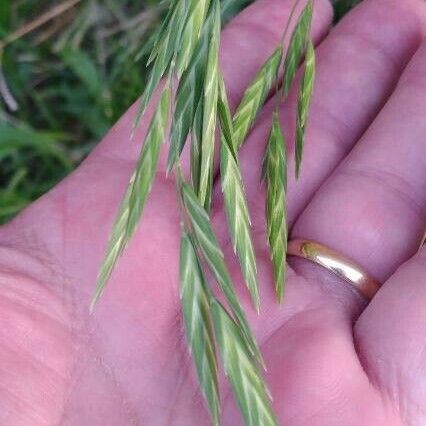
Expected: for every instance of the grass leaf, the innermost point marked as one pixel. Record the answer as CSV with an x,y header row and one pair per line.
x,y
84,68
275,169
210,110
247,382
207,242
304,102
255,96
297,46
133,202
46,144
235,200
196,16
198,324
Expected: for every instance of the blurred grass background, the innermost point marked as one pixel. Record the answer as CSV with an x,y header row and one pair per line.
x,y
67,73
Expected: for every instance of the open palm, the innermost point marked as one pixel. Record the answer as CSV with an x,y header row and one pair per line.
x,y
332,359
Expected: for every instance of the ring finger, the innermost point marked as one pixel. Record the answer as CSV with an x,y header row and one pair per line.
x,y
373,208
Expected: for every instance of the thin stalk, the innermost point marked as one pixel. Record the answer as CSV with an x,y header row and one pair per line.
x,y
38,22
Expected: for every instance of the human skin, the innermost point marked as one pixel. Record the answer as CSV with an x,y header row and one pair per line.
x,y
332,358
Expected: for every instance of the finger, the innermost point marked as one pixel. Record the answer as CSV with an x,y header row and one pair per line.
x,y
357,67
373,208
389,337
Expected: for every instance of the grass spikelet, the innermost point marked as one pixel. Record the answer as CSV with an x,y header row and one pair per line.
x,y
254,97
196,16
297,46
189,93
198,324
275,170
235,200
133,202
304,102
207,242
159,36
247,382
168,45
210,110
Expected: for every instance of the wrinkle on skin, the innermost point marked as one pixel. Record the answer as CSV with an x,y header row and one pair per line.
x,y
37,354
389,338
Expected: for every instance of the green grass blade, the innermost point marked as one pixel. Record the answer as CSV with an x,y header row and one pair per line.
x,y
168,46
275,169
207,242
297,46
248,385
133,202
255,96
196,16
304,102
198,324
235,200
85,69
210,110
188,95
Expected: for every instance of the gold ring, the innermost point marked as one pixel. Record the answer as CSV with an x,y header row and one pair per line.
x,y
335,263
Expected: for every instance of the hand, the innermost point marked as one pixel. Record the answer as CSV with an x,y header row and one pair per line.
x,y
332,358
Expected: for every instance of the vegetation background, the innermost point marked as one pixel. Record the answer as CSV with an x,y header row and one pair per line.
x,y
67,73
